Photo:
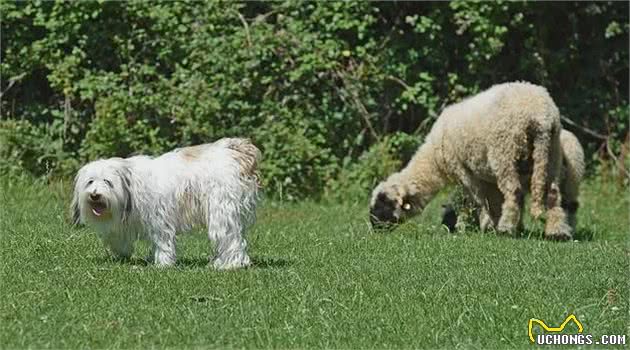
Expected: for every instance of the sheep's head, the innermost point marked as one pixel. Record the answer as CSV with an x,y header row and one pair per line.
x,y
391,204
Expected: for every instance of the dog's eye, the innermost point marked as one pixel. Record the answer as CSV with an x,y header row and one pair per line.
x,y
90,182
109,183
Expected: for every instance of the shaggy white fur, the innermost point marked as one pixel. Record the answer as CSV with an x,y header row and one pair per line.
x,y
502,139
212,185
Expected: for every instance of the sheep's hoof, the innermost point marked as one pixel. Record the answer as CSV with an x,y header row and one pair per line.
x,y
561,232
486,224
506,225
505,230
489,229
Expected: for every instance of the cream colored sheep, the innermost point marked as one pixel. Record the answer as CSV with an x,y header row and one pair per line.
x,y
572,173
498,140
458,212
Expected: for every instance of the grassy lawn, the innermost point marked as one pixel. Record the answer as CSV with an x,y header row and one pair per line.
x,y
321,279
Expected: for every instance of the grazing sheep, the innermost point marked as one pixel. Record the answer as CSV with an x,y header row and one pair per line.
x,y
495,142
461,209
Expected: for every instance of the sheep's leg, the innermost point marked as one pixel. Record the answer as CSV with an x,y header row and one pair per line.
x,y
521,204
512,190
556,226
477,190
570,191
493,213
571,205
485,220
541,156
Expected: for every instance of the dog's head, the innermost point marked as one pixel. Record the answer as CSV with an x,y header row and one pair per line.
x,y
102,193
391,204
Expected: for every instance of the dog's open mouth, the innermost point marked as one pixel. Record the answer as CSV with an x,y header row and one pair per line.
x,y
98,208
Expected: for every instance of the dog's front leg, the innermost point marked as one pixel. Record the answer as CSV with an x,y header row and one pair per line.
x,y
164,248
121,244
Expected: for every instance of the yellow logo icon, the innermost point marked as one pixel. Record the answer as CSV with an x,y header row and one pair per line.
x,y
552,329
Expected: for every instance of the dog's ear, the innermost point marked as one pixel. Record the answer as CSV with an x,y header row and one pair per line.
x,y
74,205
125,177
76,214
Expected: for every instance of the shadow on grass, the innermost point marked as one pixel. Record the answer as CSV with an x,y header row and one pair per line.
x,y
584,234
580,234
257,262
104,260
270,263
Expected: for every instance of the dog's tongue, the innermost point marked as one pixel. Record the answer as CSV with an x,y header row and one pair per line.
x,y
98,209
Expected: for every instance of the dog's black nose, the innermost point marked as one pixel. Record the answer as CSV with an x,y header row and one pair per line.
x,y
95,196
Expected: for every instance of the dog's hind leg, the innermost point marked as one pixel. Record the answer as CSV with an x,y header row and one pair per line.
x,y
226,229
231,247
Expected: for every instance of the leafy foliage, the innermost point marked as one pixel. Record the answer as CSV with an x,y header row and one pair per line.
x,y
319,86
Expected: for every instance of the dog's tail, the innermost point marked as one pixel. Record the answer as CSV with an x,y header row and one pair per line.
x,y
245,152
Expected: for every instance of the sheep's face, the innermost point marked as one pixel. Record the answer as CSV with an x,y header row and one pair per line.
x,y
390,205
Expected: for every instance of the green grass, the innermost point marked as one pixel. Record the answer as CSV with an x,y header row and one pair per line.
x,y
322,279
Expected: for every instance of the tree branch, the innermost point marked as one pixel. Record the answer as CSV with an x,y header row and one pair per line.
x,y
584,129
246,26
361,107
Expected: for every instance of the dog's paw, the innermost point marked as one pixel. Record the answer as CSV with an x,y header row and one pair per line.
x,y
164,259
233,262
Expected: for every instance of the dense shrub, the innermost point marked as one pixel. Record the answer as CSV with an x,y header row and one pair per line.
x,y
358,177
331,91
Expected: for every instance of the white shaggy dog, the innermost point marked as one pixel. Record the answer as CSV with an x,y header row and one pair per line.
x,y
213,185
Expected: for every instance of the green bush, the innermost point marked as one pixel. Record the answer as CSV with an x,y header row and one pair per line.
x,y
34,149
324,88
357,178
